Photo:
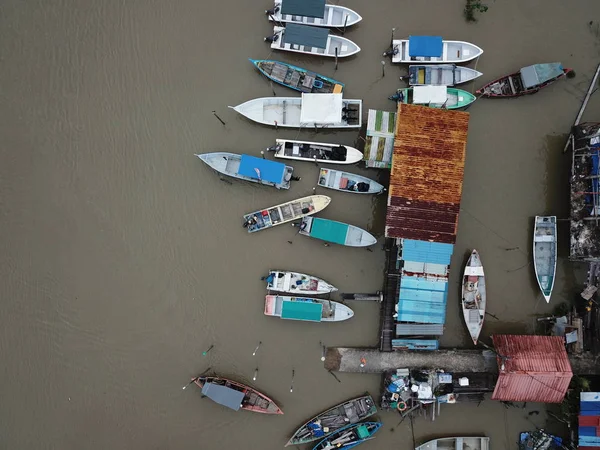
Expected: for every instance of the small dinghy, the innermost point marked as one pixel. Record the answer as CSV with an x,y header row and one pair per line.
x,y
349,436
315,152
311,41
306,309
432,49
250,168
331,420
348,182
336,232
440,75
474,296
434,97
286,212
457,443
544,253
297,283
297,78
313,12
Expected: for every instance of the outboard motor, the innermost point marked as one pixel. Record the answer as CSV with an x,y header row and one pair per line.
x,y
274,148
393,51
270,12
273,38
397,97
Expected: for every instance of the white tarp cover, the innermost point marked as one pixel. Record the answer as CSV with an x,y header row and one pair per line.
x,y
321,108
429,94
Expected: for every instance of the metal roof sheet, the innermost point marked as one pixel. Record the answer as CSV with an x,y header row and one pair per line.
x,y
306,8
426,252
421,300
305,35
419,329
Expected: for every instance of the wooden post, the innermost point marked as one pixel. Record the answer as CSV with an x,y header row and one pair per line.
x,y
382,69
220,120
345,23
336,58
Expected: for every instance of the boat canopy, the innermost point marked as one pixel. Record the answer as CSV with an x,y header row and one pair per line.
x,y
305,35
306,8
301,310
329,230
223,395
423,95
321,108
540,73
262,169
431,46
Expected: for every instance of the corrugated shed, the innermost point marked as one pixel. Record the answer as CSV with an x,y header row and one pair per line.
x,y
536,369
427,252
422,300
427,174
589,420
419,329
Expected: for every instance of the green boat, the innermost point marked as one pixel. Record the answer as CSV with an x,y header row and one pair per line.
x,y
434,97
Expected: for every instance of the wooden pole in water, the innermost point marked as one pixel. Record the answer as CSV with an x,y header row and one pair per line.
x,y
382,69
257,347
207,350
255,374
336,58
262,153
220,120
392,39
323,351
292,385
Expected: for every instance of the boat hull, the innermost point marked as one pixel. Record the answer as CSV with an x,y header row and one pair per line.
x,y
339,45
319,151
297,78
472,443
275,305
298,283
350,436
335,232
544,253
440,75
348,182
453,52
335,16
474,296
455,98
504,87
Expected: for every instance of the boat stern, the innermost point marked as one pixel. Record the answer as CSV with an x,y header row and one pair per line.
x,y
270,301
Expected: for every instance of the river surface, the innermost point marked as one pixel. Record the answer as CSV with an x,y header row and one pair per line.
x,y
123,258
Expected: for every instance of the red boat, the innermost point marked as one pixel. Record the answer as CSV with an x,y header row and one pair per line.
x,y
236,395
526,81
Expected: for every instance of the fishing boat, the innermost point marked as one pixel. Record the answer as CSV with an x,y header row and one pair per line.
x,y
432,50
297,78
474,296
235,395
286,212
539,440
311,41
526,81
250,168
349,437
544,253
440,75
315,151
310,110
313,12
297,283
457,443
434,97
331,420
306,309
348,182
336,232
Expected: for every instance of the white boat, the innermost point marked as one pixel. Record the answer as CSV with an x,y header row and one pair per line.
x,y
311,41
316,151
544,253
286,212
317,14
432,49
474,296
336,232
440,74
297,283
250,168
457,443
306,309
348,182
308,111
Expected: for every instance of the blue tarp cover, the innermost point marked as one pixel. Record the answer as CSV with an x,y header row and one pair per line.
x,y
270,171
305,35
223,395
329,230
306,8
425,46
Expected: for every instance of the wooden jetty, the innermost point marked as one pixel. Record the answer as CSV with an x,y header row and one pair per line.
x,y
390,297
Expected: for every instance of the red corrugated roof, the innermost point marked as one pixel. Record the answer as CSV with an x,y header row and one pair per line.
x,y
536,369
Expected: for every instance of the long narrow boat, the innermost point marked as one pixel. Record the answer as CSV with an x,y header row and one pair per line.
x,y
336,232
325,423
457,443
526,81
297,283
544,253
348,182
286,212
315,13
440,75
474,296
316,151
434,97
432,50
236,395
306,309
297,78
311,41
349,437
250,168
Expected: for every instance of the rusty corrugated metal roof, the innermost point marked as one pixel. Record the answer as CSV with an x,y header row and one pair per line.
x,y
427,174
536,369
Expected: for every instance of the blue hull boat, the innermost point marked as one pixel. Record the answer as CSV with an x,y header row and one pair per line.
x,y
297,78
349,437
336,232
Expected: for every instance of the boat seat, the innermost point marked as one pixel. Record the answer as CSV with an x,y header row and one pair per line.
x,y
343,183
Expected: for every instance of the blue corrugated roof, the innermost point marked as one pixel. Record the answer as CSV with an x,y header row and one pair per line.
x,y
416,344
431,46
427,252
268,170
422,301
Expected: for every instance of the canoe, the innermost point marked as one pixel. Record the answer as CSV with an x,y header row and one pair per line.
x,y
440,75
297,283
315,151
434,97
349,436
308,111
544,253
457,443
348,182
432,50
325,423
297,78
306,309
311,41
235,395
474,296
332,16
336,232
250,168
286,212
526,81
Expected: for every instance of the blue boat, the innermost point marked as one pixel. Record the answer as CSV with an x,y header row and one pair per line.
x,y
297,78
539,440
350,436
336,232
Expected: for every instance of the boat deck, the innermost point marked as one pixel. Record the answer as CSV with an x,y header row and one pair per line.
x,y
313,151
282,213
303,81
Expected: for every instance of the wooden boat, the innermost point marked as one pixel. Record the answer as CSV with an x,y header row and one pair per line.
x,y
336,232
432,50
540,440
235,395
349,437
316,14
286,212
306,309
297,283
297,78
440,75
457,443
544,253
331,420
310,110
250,168
526,81
474,296
311,41
434,97
348,182
315,151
